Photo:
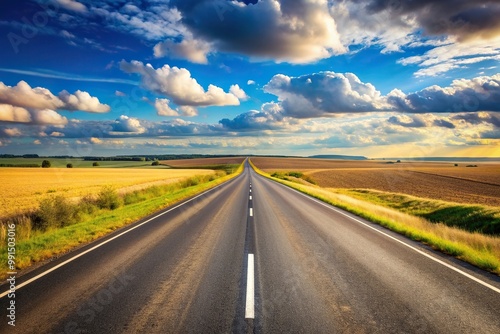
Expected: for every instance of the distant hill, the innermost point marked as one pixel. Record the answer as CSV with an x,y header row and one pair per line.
x,y
339,157
446,159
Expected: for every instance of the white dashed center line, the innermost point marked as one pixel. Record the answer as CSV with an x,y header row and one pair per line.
x,y
250,301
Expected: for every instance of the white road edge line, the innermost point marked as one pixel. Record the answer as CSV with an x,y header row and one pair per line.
x,y
105,242
250,297
251,212
331,207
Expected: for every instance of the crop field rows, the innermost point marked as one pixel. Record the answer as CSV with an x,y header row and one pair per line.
x,y
442,181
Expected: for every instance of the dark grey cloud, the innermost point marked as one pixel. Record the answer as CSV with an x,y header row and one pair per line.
x,y
492,134
409,122
461,18
270,117
442,123
479,118
179,127
127,127
296,31
252,120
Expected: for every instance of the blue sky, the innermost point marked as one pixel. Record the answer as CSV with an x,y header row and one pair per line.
x,y
377,78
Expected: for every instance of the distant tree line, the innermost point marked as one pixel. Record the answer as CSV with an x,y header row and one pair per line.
x,y
21,165
19,156
114,159
156,157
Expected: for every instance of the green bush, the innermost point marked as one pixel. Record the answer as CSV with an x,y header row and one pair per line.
x,y
46,164
87,205
194,181
108,198
95,164
55,212
69,166
155,163
295,174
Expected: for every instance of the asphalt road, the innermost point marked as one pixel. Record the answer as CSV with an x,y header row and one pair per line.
x,y
254,256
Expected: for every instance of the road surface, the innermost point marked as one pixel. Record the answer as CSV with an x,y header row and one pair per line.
x,y
254,256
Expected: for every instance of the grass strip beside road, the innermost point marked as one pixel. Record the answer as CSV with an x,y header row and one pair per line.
x,y
470,217
478,249
57,241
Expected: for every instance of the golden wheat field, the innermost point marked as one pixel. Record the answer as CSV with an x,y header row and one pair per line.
x,y
23,188
203,162
443,181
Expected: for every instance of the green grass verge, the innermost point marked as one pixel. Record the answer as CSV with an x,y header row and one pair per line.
x,y
292,176
43,245
473,218
478,249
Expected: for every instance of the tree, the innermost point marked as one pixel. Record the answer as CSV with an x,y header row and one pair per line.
x,y
155,163
69,166
95,164
46,164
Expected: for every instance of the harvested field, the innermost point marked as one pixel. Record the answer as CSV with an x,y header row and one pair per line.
x,y
412,183
488,174
304,164
25,187
443,181
203,162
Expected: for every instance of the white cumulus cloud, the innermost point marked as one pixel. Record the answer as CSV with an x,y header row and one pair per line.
x,y
325,93
23,95
238,92
193,50
179,87
128,124
163,108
